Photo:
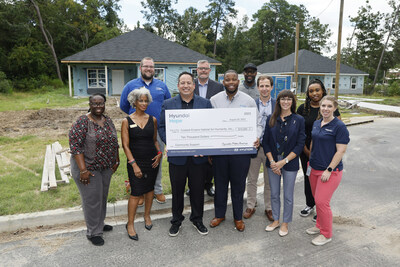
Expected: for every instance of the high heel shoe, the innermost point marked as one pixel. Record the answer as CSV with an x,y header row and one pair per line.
x,y
147,226
133,237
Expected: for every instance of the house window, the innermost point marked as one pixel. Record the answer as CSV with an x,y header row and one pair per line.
x,y
333,83
159,73
96,78
353,82
194,72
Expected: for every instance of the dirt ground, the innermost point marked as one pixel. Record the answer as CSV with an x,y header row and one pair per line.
x,y
51,122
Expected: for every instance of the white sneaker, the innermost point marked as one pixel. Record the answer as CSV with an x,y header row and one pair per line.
x,y
321,240
306,211
313,231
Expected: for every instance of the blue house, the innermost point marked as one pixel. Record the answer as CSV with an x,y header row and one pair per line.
x,y
314,66
108,66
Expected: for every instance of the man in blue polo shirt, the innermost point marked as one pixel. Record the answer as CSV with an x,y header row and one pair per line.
x,y
159,92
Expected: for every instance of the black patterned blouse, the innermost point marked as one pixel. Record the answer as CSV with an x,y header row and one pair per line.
x,y
98,144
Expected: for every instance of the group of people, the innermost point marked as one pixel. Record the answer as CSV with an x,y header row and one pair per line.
x,y
315,135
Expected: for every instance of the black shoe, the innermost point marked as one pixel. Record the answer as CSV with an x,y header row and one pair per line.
x,y
148,227
314,219
188,192
96,240
210,192
107,228
133,237
174,230
200,228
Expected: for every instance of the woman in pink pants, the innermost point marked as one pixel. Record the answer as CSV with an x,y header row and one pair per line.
x,y
329,142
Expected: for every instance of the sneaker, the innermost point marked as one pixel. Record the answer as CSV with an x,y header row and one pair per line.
x,y
313,231
314,219
200,228
96,240
321,240
174,230
306,211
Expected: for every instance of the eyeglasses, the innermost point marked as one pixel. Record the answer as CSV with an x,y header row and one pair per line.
x,y
98,104
147,67
286,99
250,71
143,101
203,68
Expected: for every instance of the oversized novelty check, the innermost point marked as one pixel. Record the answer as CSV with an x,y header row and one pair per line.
x,y
225,131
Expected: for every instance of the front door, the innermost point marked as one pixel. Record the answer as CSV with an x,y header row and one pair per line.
x,y
118,81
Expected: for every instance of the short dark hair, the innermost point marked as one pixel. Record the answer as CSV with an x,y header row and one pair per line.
x,y
97,94
231,71
185,73
265,77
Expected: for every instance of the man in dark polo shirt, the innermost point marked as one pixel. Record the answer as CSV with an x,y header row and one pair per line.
x,y
206,87
248,86
192,168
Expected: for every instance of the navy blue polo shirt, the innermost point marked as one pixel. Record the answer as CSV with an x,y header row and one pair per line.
x,y
324,142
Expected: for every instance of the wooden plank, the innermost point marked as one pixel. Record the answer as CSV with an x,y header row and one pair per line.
x,y
57,147
45,175
52,168
65,157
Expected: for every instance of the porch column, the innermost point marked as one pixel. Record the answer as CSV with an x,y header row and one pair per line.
x,y
106,73
69,80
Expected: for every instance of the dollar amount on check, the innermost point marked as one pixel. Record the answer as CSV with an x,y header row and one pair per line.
x,y
211,131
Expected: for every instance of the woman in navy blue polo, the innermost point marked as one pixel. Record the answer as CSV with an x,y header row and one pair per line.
x,y
329,142
283,142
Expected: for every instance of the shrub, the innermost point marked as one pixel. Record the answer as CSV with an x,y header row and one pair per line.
x,y
5,85
394,89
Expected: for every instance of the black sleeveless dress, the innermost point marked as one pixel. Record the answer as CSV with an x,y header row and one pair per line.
x,y
141,144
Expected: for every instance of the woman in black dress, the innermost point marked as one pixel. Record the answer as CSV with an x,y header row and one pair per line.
x,y
310,111
139,140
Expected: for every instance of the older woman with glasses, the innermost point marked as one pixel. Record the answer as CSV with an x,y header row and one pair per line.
x,y
94,158
283,142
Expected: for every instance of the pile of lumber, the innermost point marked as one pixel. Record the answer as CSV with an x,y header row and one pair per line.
x,y
55,154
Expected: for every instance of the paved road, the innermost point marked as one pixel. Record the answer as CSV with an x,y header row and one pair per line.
x,y
366,226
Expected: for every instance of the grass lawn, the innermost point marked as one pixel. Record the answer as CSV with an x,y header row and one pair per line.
x,y
20,188
39,99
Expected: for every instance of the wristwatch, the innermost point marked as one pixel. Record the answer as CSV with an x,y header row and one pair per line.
x,y
329,169
286,160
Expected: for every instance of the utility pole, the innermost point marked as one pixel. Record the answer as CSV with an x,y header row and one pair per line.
x,y
338,50
296,56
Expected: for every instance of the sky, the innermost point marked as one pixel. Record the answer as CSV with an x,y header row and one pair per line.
x,y
327,11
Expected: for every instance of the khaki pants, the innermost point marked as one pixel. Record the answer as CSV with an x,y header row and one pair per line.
x,y
252,178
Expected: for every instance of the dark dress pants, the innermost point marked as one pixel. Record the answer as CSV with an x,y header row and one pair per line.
x,y
195,173
230,169
307,187
209,176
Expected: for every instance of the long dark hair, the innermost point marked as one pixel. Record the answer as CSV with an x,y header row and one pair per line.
x,y
307,103
278,109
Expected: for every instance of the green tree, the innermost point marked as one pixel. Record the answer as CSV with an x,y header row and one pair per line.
x,y
160,14
219,11
275,26
368,39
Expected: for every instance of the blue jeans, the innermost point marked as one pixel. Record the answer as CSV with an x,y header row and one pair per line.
x,y
289,179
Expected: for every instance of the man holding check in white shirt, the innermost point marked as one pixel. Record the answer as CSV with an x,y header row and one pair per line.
x,y
231,169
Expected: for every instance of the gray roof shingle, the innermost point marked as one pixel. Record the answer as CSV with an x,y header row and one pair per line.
x,y
309,62
135,45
